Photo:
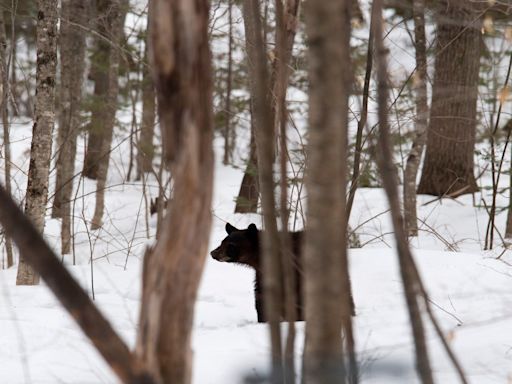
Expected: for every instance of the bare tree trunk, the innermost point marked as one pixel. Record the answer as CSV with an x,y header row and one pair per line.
x,y
228,145
414,157
4,105
388,171
145,147
259,83
449,166
100,74
354,182
327,288
248,195
72,52
115,19
40,151
286,23
172,270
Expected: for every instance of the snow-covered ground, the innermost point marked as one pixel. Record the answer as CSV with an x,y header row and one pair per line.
x,y
470,289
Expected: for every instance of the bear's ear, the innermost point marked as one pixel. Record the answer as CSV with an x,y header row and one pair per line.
x,y
252,229
230,228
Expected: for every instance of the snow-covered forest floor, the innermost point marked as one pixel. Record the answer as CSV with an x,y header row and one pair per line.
x,y
470,289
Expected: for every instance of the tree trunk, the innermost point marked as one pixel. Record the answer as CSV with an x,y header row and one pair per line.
x,y
145,147
72,53
411,282
414,157
327,288
99,72
4,106
248,195
448,167
228,144
40,151
172,270
114,19
286,24
259,85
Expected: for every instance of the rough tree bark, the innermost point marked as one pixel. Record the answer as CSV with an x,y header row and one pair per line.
x,y
40,151
327,287
113,15
414,157
410,278
145,147
259,85
172,269
448,167
4,106
72,53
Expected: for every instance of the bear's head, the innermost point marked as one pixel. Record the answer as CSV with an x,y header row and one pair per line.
x,y
240,246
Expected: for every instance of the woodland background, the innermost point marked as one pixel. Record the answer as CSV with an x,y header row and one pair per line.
x,y
325,115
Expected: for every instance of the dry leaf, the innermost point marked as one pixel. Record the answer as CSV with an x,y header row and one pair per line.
x,y
503,94
488,25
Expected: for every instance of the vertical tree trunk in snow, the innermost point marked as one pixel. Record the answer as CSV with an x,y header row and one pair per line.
x,y
414,157
172,269
114,19
327,289
72,53
248,195
40,151
145,148
448,166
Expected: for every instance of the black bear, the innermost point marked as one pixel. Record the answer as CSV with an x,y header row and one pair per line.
x,y
242,246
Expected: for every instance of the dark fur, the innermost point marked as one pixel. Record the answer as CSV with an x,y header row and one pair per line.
x,y
242,246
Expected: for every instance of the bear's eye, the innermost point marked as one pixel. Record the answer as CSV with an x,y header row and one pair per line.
x,y
232,251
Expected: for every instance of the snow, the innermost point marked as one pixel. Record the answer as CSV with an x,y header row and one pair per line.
x,y
470,290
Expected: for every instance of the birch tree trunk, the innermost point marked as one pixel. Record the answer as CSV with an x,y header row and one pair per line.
x,y
114,20
414,157
172,269
40,151
72,53
327,288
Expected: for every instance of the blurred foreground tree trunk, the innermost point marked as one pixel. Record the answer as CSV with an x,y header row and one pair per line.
x,y
286,27
414,157
4,106
263,117
72,54
327,286
40,151
410,277
172,269
449,166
